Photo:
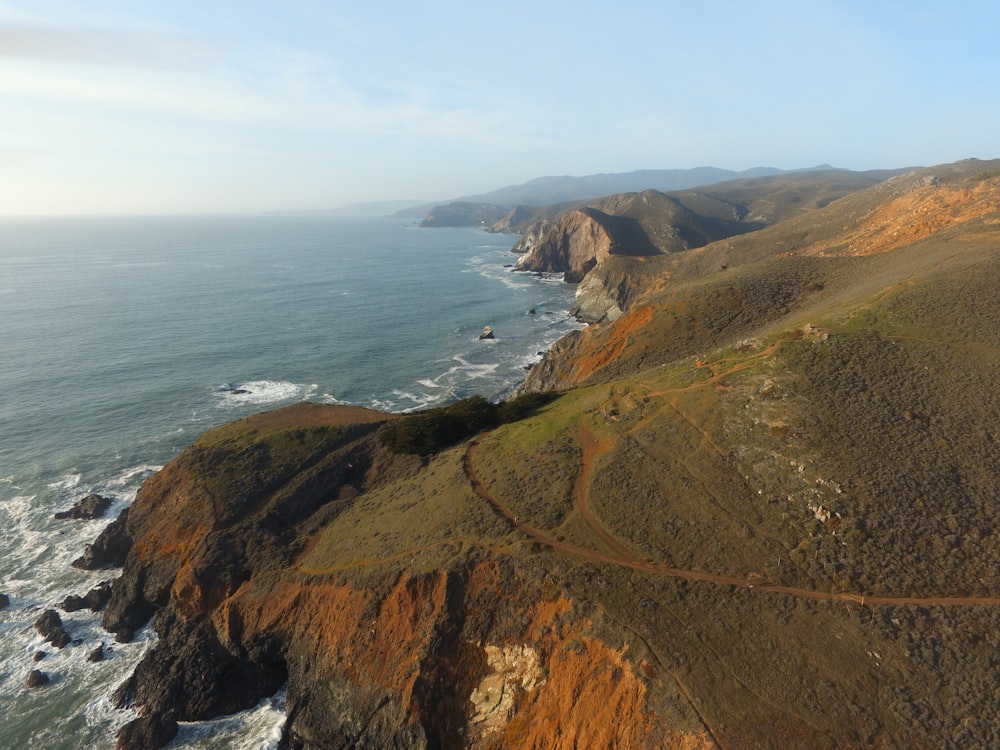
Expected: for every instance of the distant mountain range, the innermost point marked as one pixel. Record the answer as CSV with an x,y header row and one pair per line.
x,y
542,191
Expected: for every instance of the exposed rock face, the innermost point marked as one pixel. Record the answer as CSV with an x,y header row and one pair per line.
x,y
91,507
631,224
110,548
580,239
607,292
151,731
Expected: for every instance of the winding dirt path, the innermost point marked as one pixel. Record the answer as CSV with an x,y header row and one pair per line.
x,y
621,556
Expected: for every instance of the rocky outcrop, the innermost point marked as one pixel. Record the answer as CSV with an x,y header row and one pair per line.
x,y
49,626
579,240
91,507
632,224
110,548
94,600
152,731
607,292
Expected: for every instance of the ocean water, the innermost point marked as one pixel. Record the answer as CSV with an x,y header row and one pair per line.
x,y
122,340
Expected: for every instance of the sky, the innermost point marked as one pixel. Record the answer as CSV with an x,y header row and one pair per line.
x,y
136,107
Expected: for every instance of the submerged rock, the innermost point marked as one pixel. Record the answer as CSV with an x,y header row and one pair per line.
x,y
37,678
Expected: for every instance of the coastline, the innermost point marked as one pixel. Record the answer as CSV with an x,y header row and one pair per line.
x,y
32,490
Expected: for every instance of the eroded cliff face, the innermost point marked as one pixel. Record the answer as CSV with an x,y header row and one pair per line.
x,y
571,244
632,224
238,554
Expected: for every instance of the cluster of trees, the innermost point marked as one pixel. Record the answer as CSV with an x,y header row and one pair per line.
x,y
428,432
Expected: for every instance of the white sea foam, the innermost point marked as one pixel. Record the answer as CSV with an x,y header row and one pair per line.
x,y
471,370
258,728
67,482
127,476
263,392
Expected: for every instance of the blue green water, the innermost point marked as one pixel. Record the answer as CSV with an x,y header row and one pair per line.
x,y
121,340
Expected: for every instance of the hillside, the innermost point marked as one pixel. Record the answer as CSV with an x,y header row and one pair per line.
x,y
561,239
473,210
760,512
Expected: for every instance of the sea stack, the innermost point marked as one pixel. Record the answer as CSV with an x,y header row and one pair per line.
x,y
487,333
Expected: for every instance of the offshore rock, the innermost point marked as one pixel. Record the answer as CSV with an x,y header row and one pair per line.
x,y
37,678
50,626
4,601
95,600
89,508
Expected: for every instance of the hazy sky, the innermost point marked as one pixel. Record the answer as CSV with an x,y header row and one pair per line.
x,y
178,106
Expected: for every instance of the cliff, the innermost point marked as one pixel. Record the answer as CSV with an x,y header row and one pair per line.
x,y
562,239
761,512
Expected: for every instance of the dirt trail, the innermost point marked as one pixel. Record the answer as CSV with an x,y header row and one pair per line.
x,y
592,447
622,557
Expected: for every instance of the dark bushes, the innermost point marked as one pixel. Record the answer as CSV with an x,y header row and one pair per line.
x,y
428,432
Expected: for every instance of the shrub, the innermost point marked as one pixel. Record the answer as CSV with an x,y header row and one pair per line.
x,y
428,432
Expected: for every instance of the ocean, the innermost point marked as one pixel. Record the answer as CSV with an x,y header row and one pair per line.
x,y
123,339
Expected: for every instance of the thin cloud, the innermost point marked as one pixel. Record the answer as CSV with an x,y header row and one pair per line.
x,y
188,97
108,47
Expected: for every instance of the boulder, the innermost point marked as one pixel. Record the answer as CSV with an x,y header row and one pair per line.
x,y
49,624
487,333
37,678
91,507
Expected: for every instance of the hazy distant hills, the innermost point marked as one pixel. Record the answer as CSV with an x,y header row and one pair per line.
x,y
557,189
489,207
